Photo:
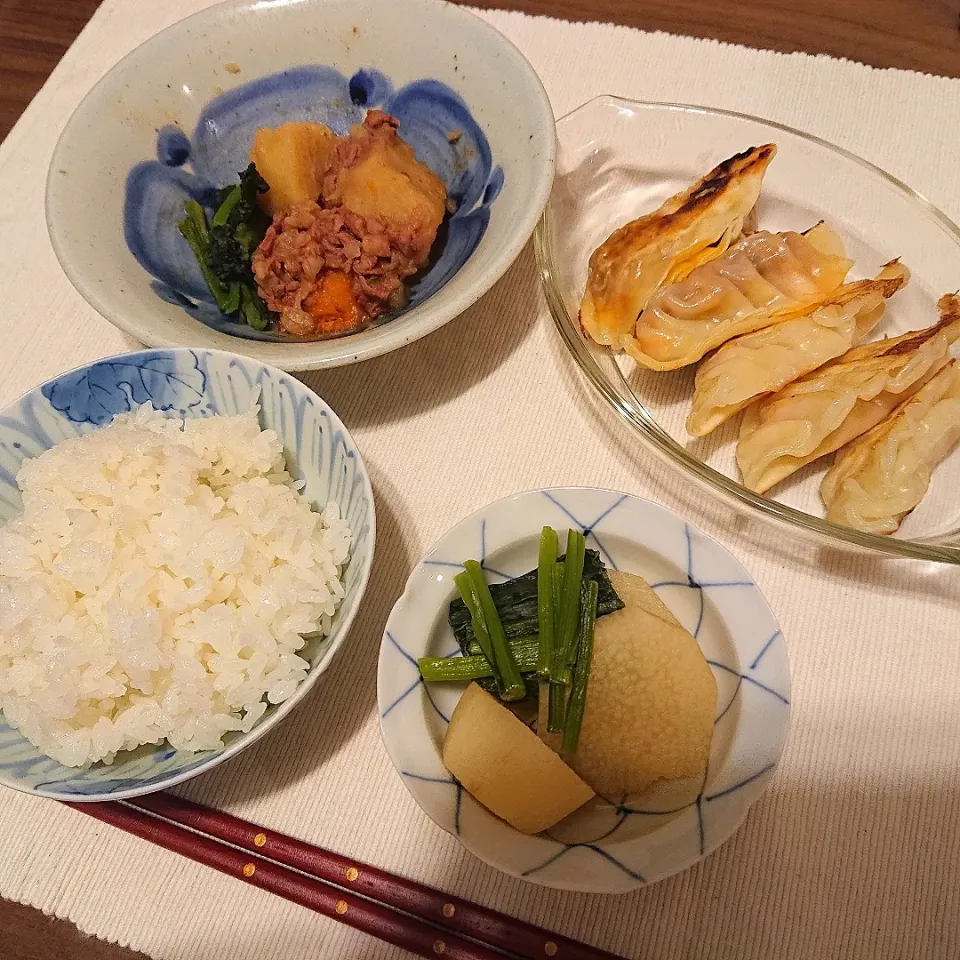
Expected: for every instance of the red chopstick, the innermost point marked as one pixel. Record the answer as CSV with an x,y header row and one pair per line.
x,y
372,918
427,903
429,922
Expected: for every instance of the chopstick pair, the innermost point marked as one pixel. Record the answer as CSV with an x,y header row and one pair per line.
x,y
418,918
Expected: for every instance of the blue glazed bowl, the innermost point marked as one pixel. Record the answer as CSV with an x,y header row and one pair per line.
x,y
176,118
194,383
196,167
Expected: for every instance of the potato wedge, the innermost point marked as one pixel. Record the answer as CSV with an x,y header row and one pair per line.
x,y
391,184
650,701
501,762
293,158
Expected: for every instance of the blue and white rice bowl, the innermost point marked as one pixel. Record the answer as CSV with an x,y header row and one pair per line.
x,y
187,383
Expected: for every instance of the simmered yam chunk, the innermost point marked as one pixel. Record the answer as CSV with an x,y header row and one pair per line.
x,y
501,762
650,701
389,182
293,158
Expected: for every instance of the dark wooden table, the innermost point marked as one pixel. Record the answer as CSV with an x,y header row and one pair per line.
x,y
914,34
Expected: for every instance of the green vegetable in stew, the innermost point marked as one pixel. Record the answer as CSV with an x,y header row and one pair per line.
x,y
545,612
518,606
524,651
224,247
516,601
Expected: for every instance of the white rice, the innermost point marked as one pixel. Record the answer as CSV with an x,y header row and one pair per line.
x,y
158,586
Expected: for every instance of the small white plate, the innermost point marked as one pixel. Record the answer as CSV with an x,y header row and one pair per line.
x,y
604,847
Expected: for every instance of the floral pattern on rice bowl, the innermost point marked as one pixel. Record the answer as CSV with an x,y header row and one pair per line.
x,y
192,384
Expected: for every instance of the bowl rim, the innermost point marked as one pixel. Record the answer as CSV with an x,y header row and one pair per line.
x,y
643,423
320,354
669,516
283,709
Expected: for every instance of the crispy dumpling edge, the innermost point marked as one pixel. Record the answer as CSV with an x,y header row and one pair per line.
x,y
674,215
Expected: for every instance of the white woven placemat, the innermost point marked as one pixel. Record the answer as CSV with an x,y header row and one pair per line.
x,y
855,850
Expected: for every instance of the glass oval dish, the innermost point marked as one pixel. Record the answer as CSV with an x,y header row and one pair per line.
x,y
619,159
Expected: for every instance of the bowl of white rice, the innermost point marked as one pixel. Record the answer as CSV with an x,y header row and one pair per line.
x,y
185,540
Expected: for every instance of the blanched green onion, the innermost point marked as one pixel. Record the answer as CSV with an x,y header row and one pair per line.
x,y
471,600
448,669
573,720
556,706
545,612
512,682
565,639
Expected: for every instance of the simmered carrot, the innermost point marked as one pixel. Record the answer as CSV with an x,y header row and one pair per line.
x,y
333,305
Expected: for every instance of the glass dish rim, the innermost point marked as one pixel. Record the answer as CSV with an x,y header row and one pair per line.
x,y
655,437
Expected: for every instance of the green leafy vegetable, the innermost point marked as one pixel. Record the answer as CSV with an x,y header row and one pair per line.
x,y
545,613
224,247
565,639
564,648
438,669
471,598
556,693
573,720
515,643
517,603
556,706
513,686
556,581
253,310
237,228
197,234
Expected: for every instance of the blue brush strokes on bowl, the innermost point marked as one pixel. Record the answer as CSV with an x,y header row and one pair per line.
x,y
184,382
428,111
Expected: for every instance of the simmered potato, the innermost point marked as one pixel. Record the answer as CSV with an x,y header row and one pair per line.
x,y
651,698
501,762
293,159
389,182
